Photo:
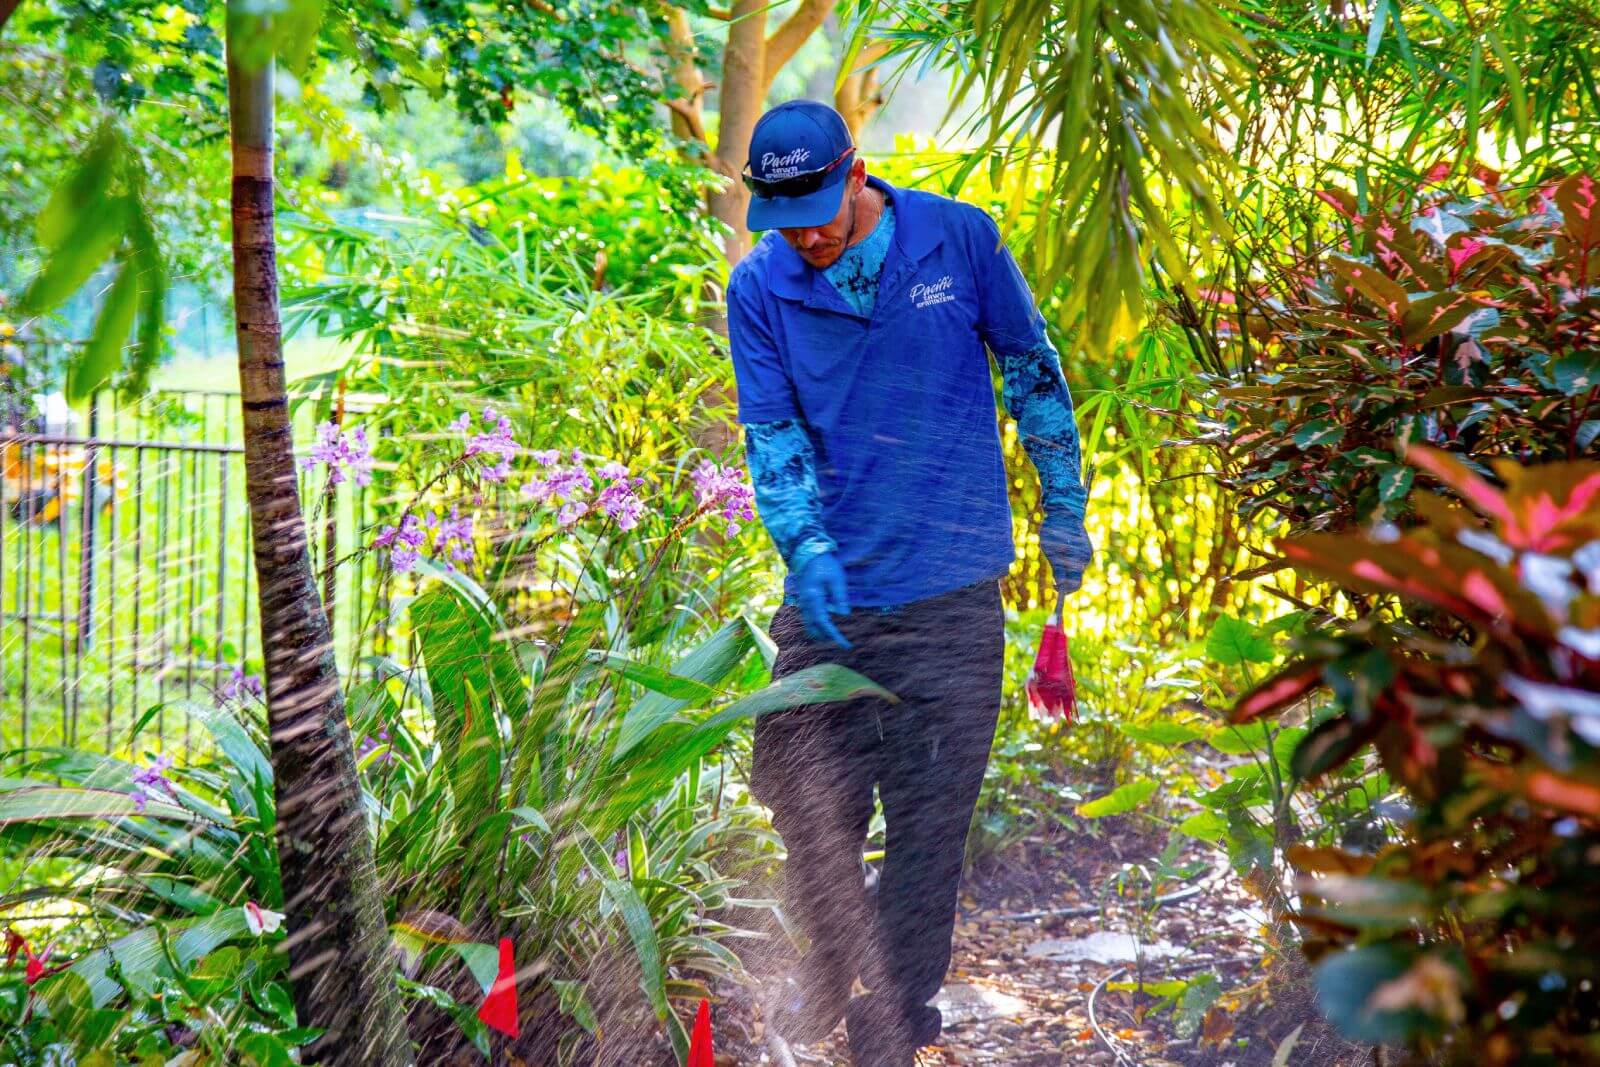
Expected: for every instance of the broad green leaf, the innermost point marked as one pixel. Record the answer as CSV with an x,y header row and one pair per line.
x,y
709,663
1205,826
1345,981
653,678
1250,738
1233,642
825,683
41,804
1394,482
140,959
1160,733
1119,801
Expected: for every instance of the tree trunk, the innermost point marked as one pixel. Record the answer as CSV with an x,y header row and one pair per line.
x,y
340,966
740,97
7,9
858,97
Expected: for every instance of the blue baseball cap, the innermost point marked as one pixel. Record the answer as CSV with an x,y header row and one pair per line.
x,y
797,139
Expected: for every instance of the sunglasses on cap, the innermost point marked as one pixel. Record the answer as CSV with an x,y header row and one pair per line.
x,y
795,184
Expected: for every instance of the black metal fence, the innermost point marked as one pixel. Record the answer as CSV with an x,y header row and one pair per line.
x,y
127,593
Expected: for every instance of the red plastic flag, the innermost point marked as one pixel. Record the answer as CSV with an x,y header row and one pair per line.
x,y
499,1008
700,1040
1052,692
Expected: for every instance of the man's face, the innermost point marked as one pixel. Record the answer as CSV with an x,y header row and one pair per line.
x,y
821,246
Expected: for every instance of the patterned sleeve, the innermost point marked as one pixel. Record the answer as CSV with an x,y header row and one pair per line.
x,y
1035,393
783,471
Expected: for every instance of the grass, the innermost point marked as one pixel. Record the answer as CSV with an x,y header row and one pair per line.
x,y
302,356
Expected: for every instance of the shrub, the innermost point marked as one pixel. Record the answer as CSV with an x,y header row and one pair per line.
x,y
1460,323
1473,937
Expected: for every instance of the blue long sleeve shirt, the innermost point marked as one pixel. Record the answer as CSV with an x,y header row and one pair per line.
x,y
868,407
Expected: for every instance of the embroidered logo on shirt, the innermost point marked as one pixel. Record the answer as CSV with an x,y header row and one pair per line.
x,y
926,294
774,166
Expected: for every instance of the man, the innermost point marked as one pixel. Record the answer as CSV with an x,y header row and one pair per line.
x,y
858,327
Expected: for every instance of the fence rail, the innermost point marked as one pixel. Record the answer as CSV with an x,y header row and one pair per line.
x,y
127,592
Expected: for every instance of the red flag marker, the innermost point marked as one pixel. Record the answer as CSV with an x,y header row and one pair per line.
x,y
499,1008
700,1040
1052,691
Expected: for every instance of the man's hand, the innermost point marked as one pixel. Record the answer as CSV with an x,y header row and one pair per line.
x,y
821,590
1066,545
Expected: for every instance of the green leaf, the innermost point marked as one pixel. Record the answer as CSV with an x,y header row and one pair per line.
x,y
43,803
1515,93
825,683
654,678
1160,733
1346,979
482,960
709,663
99,359
1205,826
1380,18
90,242
646,947
533,817
1233,642
82,192
1394,482
141,960
1319,432
1119,801
1240,740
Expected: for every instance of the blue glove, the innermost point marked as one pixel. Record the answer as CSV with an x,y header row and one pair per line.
x,y
1065,544
820,588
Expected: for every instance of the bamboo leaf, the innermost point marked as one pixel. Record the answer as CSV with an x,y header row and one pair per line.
x,y
99,359
89,243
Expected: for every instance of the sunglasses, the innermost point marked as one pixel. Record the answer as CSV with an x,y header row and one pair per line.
x,y
795,184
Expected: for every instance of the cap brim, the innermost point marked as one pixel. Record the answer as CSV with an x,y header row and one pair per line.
x,y
795,212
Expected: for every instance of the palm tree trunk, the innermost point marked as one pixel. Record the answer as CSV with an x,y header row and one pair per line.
x,y
340,964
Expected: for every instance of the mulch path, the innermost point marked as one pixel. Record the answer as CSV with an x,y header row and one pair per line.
x,y
1012,998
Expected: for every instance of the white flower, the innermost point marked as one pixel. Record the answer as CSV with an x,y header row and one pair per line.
x,y
261,920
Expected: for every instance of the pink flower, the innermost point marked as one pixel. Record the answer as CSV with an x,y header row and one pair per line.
x,y
149,780
339,451
724,488
619,502
453,537
239,686
571,513
491,443
404,543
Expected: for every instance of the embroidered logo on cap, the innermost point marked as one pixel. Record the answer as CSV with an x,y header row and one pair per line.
x,y
774,166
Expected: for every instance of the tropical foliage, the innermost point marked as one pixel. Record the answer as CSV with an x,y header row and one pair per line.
x,y
1467,935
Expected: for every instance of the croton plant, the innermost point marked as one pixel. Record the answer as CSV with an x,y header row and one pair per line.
x,y
1472,937
1471,324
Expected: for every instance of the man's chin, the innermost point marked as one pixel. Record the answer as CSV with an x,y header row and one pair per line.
x,y
823,261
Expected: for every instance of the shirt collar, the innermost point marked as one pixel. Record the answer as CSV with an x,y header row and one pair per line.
x,y
916,233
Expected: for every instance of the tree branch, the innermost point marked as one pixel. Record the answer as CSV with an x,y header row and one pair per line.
x,y
793,32
691,117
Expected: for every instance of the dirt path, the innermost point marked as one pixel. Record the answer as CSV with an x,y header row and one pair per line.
x,y
1022,983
